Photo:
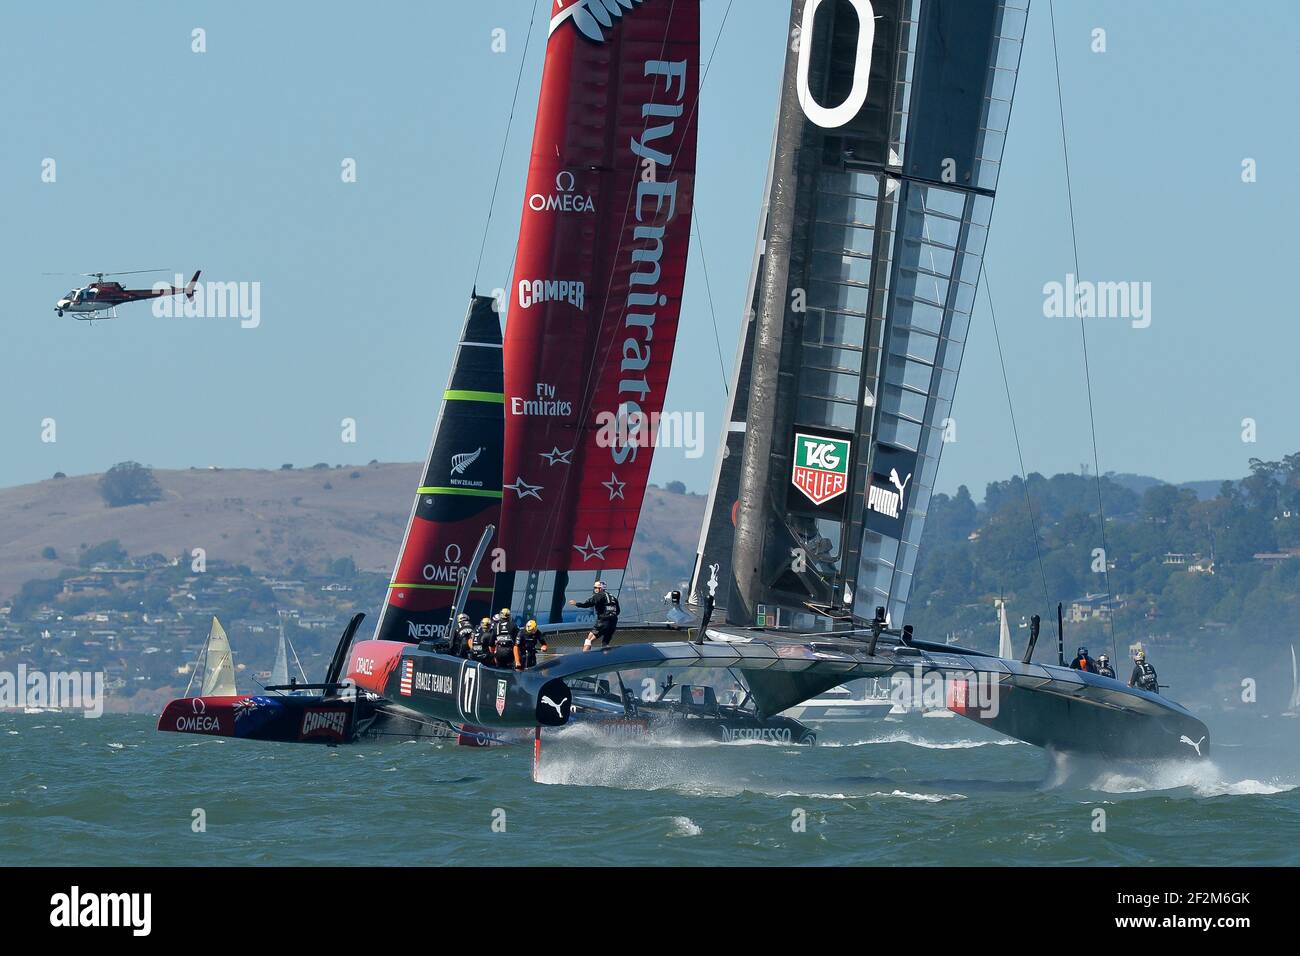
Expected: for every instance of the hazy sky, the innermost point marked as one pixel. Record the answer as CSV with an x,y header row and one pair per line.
x,y
230,161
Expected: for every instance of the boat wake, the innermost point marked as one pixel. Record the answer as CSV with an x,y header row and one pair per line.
x,y
912,740
1199,779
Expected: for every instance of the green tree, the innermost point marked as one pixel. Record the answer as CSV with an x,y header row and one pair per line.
x,y
129,483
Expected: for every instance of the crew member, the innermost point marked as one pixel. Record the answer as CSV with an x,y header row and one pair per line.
x,y
462,636
481,649
529,638
1144,675
1082,662
1104,668
606,607
505,643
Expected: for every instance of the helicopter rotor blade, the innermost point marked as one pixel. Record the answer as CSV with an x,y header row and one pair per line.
x,y
134,272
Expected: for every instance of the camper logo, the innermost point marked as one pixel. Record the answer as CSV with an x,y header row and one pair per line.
x,y
821,467
330,724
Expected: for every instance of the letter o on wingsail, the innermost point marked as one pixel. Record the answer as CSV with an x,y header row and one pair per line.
x,y
837,116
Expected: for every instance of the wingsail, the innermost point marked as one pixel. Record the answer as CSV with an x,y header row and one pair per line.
x,y
888,143
459,495
596,293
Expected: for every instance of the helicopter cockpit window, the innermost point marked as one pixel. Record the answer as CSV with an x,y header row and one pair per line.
x,y
71,295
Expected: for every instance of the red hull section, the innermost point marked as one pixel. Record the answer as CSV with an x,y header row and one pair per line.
x,y
596,294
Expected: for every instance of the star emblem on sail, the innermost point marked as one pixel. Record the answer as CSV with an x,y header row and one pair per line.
x,y
524,490
590,15
615,486
591,550
557,457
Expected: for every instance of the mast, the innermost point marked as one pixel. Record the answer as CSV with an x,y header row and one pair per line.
x,y
769,331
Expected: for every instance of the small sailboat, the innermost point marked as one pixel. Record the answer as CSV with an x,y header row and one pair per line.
x,y
218,665
280,671
1005,650
1294,709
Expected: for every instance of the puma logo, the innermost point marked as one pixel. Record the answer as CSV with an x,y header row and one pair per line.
x,y
1194,744
893,480
559,707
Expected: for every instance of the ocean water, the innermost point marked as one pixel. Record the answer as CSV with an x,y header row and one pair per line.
x,y
911,791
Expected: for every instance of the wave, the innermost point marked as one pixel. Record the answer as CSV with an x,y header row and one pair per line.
x,y
904,737
1201,778
684,826
923,797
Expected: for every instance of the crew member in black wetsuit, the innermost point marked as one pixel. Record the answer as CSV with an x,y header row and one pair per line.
x,y
606,607
1144,675
505,643
1082,662
1104,668
462,634
529,638
481,650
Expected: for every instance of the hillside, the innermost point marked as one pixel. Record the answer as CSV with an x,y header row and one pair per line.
x,y
270,521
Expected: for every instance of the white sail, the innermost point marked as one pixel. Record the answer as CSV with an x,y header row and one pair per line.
x,y
218,665
1004,633
1295,686
280,672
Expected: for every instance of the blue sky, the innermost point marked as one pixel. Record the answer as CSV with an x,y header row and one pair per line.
x,y
229,161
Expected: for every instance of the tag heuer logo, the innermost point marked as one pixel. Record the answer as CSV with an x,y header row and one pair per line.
x,y
821,467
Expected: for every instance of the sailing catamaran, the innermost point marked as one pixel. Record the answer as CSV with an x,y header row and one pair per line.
x,y
881,186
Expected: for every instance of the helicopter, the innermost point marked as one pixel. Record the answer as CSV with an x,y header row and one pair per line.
x,y
100,299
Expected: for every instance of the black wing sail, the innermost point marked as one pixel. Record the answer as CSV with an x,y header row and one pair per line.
x,y
888,144
459,495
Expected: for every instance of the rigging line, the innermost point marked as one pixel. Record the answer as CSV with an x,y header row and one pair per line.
x,y
505,140
1083,334
722,366
1029,504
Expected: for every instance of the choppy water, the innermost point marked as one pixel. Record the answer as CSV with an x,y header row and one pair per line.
x,y
918,791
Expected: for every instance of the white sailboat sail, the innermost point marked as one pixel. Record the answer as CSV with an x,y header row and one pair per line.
x,y
1295,686
1004,632
280,672
218,664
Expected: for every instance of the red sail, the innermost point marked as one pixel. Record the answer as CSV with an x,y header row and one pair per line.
x,y
596,294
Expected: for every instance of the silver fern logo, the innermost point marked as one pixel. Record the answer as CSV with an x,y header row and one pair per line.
x,y
460,463
589,16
